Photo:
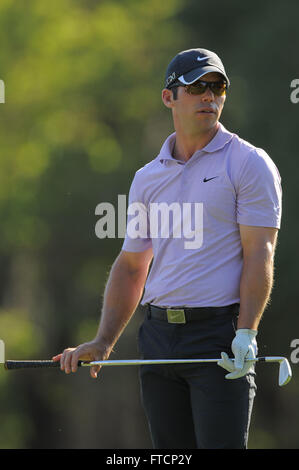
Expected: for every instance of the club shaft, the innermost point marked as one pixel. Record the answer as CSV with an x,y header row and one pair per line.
x,y
136,362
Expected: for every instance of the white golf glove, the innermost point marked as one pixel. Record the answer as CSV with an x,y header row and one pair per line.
x,y
244,346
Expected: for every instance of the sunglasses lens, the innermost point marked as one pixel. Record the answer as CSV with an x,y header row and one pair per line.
x,y
218,88
197,88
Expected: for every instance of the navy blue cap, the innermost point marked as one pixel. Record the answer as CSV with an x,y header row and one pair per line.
x,y
188,66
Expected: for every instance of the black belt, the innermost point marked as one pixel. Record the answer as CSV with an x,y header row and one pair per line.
x,y
184,315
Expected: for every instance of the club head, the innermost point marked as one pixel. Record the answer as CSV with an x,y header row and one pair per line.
x,y
2,352
285,372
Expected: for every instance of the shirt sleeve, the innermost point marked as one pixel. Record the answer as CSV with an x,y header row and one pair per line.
x,y
137,237
259,196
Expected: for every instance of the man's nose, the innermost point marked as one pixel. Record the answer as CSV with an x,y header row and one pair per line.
x,y
208,95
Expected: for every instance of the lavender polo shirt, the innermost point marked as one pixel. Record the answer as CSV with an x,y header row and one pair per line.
x,y
232,183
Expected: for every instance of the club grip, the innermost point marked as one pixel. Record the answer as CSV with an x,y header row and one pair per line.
x,y
9,365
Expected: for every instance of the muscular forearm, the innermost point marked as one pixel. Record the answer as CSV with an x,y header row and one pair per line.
x,y
255,287
122,294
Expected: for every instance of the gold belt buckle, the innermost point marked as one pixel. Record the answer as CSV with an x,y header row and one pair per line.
x,y
175,315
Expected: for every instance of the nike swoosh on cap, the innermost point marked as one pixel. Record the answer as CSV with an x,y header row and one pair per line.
x,y
201,58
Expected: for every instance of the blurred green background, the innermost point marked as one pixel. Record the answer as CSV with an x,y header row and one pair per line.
x,y
83,112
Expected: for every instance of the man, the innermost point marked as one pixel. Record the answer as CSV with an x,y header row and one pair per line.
x,y
204,299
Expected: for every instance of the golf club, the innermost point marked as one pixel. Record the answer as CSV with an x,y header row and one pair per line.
x,y
284,376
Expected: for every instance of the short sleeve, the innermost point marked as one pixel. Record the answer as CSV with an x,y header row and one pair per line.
x,y
137,231
259,195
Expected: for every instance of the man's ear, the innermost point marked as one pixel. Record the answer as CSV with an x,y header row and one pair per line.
x,y
167,97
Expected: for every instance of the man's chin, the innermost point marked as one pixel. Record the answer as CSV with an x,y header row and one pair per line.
x,y
207,126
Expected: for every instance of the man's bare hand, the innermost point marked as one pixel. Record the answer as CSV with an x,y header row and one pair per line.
x,y
90,351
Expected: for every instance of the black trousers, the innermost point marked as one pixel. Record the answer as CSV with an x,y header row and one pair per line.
x,y
193,406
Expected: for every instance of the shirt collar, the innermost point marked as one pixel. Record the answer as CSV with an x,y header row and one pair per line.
x,y
221,138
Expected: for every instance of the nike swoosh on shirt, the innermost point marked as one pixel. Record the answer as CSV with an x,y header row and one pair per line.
x,y
208,179
201,58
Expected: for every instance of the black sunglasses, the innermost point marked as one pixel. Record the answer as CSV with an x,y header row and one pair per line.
x,y
198,88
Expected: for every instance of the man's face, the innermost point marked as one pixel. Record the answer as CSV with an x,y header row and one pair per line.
x,y
197,113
